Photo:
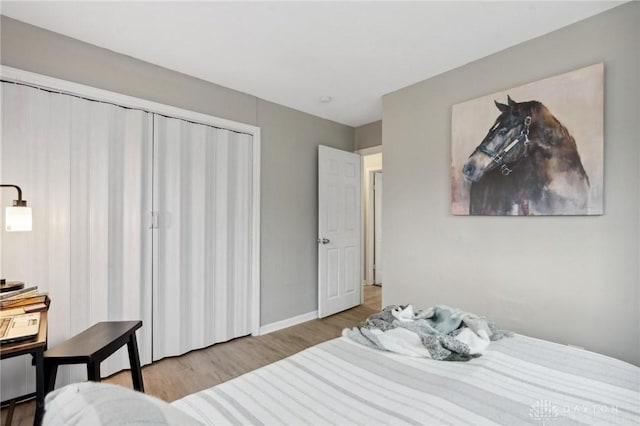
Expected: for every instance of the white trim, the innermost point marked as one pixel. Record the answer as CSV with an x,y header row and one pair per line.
x,y
363,226
20,76
255,248
368,151
63,86
279,325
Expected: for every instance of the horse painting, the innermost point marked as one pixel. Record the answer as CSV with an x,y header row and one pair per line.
x,y
527,164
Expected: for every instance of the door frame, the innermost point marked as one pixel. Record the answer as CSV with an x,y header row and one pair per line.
x,y
75,89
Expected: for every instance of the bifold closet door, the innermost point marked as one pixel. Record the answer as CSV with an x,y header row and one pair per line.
x,y
111,240
85,169
202,241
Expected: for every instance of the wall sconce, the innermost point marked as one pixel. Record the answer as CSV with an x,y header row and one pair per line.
x,y
18,217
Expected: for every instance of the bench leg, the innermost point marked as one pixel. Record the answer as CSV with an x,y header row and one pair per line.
x,y
93,371
134,361
50,373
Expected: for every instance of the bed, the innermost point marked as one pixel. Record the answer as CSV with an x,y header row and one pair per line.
x,y
518,380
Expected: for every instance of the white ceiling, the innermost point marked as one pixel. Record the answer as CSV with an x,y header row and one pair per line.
x,y
294,53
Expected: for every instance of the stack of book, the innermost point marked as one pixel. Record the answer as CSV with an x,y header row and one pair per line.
x,y
28,299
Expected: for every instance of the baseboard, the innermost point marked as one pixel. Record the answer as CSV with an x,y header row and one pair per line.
x,y
279,325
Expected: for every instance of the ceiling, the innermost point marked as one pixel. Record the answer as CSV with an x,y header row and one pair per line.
x,y
296,53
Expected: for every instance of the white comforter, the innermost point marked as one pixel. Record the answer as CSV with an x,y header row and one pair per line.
x,y
517,381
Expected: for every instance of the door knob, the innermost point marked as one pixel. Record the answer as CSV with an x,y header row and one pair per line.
x,y
323,240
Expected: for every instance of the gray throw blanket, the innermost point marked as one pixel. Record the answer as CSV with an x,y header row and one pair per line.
x,y
440,332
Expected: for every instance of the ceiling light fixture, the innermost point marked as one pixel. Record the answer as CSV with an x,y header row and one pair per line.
x,y
326,99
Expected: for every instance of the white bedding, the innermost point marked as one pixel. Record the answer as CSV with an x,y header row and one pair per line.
x,y
518,380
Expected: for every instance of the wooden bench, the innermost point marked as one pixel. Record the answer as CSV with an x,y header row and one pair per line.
x,y
93,346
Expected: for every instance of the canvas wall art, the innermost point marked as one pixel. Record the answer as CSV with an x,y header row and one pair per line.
x,y
535,149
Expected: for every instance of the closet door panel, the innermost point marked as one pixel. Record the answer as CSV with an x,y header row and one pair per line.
x,y
193,240
220,236
202,237
85,169
214,234
240,183
111,187
34,154
167,254
134,296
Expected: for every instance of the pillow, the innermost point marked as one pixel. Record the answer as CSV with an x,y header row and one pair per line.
x,y
91,403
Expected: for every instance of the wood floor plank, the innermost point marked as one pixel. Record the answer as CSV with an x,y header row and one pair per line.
x,y
173,378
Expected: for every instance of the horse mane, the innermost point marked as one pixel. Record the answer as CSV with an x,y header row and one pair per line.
x,y
553,138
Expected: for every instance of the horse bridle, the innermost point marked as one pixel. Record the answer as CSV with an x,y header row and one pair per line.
x,y
498,157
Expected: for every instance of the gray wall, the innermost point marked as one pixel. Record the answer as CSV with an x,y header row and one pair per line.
x,y
368,135
567,279
290,206
289,148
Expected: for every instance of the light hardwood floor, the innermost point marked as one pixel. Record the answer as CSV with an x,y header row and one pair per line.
x,y
173,378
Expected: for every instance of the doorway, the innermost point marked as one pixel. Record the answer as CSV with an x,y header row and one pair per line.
x,y
377,228
372,241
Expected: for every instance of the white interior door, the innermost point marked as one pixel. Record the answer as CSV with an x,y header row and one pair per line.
x,y
339,228
377,218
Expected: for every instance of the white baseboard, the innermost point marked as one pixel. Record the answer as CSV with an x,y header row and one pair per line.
x,y
279,325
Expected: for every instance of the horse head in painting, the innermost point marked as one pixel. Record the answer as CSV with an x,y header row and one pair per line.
x,y
527,164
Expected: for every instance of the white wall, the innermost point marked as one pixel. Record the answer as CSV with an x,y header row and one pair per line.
x,y
566,279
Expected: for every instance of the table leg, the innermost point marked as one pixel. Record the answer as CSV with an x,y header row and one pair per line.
x,y
134,361
40,391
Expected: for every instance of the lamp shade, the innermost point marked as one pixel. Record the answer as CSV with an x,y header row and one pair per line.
x,y
18,218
